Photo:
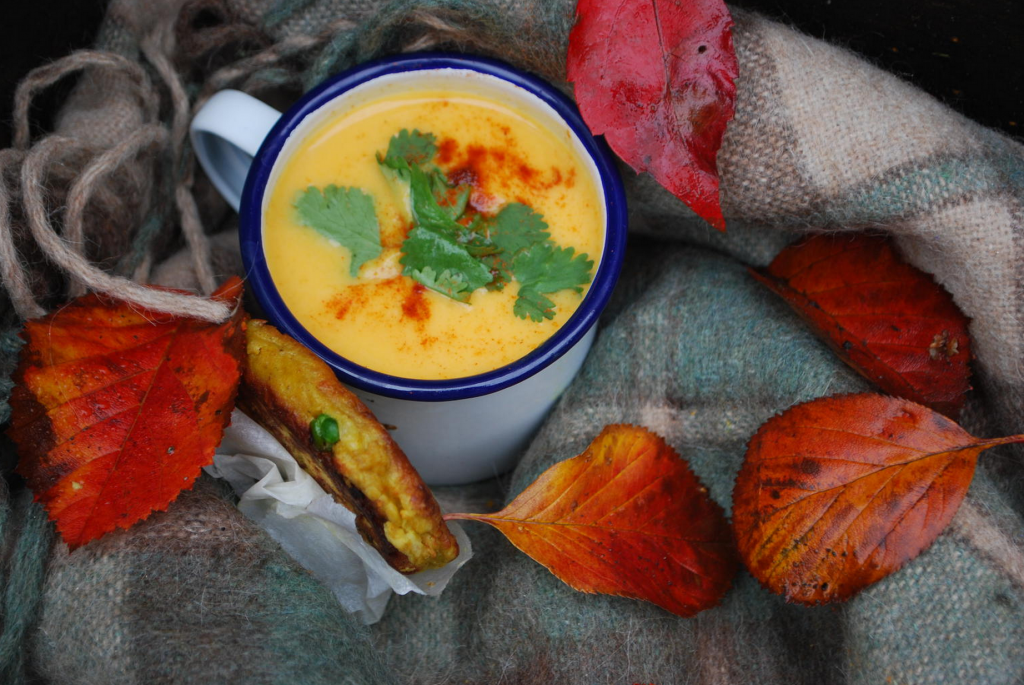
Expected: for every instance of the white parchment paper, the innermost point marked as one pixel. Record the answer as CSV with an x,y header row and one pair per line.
x,y
315,530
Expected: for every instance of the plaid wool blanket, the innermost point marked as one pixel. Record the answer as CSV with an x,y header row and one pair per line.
x,y
691,347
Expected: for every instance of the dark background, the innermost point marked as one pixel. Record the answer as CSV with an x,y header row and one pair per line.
x,y
967,53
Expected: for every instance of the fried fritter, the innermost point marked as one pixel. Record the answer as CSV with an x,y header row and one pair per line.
x,y
285,387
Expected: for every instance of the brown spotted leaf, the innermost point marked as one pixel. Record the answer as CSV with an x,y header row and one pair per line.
x,y
838,493
627,517
888,320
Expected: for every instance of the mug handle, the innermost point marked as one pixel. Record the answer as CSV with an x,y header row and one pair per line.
x,y
226,134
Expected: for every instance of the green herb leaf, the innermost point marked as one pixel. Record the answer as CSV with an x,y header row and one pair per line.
x,y
426,210
396,173
414,148
345,215
547,268
324,430
455,259
490,255
457,208
530,303
500,273
517,227
408,159
425,250
438,182
447,283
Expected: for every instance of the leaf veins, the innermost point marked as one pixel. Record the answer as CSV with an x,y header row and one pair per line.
x,y
662,105
626,517
891,322
116,409
838,493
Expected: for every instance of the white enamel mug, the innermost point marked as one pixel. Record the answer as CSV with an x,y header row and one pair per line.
x,y
453,431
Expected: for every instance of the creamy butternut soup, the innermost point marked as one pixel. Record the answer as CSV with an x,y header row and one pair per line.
x,y
490,231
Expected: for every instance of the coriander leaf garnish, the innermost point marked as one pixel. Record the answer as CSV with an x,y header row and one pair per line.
x,y
547,268
517,227
458,207
426,210
412,147
345,215
550,268
530,303
447,283
438,182
454,254
441,264
500,273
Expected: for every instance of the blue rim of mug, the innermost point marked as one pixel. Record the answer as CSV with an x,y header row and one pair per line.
x,y
585,316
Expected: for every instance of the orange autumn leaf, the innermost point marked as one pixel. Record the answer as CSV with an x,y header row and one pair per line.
x,y
116,409
888,320
627,517
838,493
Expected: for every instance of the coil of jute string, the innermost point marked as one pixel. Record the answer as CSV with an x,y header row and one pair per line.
x,y
14,277
289,61
67,251
94,173
270,58
79,268
45,76
154,47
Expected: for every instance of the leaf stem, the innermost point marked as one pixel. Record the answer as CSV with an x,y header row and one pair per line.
x,y
995,442
464,517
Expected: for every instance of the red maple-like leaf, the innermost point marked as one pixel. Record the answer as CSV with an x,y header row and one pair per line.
x,y
656,78
627,517
887,319
116,409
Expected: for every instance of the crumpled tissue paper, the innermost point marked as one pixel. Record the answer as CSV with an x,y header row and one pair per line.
x,y
316,531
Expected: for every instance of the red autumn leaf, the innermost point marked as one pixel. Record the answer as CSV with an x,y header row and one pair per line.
x,y
116,409
627,517
656,78
838,493
888,320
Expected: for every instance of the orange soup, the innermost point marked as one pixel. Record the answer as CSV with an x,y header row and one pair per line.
x,y
462,188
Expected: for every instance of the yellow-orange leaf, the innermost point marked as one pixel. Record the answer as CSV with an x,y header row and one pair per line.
x,y
627,517
837,493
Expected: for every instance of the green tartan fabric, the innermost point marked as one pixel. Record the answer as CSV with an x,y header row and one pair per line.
x,y
690,347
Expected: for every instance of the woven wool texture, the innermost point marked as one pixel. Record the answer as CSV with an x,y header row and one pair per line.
x,y
197,594
690,347
690,328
